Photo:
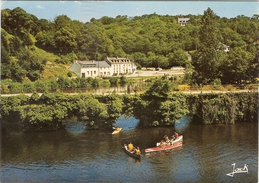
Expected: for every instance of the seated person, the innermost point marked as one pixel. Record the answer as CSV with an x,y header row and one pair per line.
x,y
137,151
130,147
176,135
167,140
162,143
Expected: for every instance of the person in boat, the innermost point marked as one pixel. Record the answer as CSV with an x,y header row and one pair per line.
x,y
162,144
176,135
137,151
167,140
130,147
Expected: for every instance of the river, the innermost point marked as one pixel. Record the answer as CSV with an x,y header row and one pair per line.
x,y
208,154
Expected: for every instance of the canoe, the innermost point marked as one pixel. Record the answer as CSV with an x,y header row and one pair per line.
x,y
167,147
117,131
132,154
179,139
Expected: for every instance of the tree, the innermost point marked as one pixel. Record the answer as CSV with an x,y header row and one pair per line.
x,y
236,67
208,58
159,90
5,64
114,109
65,40
173,109
92,109
62,21
178,57
158,107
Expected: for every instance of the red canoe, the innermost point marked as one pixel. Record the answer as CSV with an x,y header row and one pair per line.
x,y
154,149
176,143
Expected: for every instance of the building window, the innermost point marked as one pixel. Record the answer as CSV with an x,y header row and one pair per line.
x,y
83,75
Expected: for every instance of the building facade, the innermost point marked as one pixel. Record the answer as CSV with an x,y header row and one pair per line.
x,y
183,21
113,66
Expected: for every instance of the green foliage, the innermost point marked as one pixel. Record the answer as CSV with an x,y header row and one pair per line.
x,y
159,90
223,108
65,40
178,57
237,66
173,109
149,40
48,111
207,59
158,107
92,109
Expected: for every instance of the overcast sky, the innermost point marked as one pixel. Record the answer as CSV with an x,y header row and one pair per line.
x,y
85,10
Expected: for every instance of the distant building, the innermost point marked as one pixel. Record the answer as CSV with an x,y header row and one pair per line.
x,y
183,21
226,48
113,66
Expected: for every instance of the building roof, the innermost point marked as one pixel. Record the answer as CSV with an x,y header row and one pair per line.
x,y
118,59
183,20
93,63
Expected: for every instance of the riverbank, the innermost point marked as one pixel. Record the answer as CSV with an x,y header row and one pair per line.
x,y
47,111
122,93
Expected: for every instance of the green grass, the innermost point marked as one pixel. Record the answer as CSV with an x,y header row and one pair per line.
x,y
43,54
51,69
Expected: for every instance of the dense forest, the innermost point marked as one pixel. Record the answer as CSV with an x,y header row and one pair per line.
x,y
149,40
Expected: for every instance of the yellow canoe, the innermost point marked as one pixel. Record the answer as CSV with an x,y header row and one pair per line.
x,y
117,131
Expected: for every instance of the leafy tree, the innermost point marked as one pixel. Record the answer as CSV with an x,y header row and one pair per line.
x,y
62,21
115,109
45,40
93,40
208,58
5,64
158,107
160,89
65,40
236,67
92,109
178,57
27,39
173,109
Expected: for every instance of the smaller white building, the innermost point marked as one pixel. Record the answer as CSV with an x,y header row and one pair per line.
x,y
226,48
183,21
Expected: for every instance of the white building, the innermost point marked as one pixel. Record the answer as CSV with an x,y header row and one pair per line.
x,y
183,21
121,65
226,48
113,66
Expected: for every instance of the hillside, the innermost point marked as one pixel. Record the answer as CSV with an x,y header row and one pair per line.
x,y
35,48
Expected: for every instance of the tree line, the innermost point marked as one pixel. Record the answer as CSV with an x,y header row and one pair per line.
x,y
155,107
149,40
65,84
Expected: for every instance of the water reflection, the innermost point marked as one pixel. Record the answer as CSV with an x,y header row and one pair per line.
x,y
207,154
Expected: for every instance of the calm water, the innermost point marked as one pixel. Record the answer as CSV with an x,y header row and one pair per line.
x,y
79,155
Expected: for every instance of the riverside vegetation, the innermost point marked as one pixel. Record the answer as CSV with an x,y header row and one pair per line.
x,y
158,106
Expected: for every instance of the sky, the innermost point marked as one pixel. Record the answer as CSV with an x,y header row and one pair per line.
x,y
84,11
